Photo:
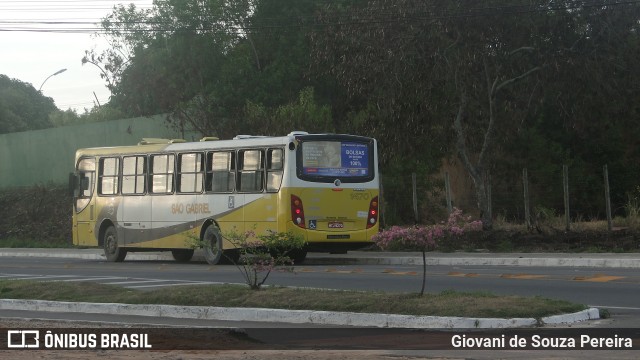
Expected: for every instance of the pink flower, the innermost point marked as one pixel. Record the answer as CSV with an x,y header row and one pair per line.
x,y
426,237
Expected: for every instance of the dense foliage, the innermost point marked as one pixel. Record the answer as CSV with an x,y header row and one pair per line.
x,y
22,107
498,85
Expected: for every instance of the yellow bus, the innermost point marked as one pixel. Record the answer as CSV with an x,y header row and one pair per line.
x,y
160,195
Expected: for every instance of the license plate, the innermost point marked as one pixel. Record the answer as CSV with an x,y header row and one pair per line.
x,y
336,225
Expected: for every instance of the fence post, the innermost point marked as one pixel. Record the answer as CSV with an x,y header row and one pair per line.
x,y
565,181
414,187
607,197
489,203
447,189
525,183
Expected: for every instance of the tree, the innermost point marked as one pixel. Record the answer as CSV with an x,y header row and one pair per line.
x,y
438,78
22,107
426,238
417,64
303,114
202,61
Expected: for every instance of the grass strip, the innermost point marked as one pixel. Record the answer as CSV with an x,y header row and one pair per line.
x,y
446,303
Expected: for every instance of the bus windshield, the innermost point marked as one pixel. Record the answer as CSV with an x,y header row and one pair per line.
x,y
322,160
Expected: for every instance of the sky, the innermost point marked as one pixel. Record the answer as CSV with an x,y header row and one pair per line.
x,y
35,42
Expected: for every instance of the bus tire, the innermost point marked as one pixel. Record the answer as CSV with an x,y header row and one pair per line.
x,y
213,245
112,251
182,255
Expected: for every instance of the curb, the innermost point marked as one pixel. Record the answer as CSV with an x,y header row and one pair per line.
x,y
533,260
294,316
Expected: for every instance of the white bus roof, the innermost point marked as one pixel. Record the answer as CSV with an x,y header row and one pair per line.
x,y
148,145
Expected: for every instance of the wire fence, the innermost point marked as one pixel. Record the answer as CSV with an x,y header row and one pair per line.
x,y
526,197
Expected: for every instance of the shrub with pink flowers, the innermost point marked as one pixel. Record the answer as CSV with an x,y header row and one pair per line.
x,y
425,238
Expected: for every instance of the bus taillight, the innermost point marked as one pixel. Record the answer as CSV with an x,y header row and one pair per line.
x,y
372,218
297,212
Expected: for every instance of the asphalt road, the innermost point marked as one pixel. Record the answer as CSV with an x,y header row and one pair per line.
x,y
614,289
607,285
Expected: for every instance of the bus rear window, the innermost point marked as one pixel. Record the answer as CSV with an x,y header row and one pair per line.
x,y
327,160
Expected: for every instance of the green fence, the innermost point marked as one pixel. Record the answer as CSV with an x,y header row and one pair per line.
x,y
46,156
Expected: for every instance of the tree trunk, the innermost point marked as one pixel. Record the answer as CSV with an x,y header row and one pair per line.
x,y
483,202
477,170
424,271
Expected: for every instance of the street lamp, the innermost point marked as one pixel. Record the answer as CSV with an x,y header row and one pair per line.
x,y
54,74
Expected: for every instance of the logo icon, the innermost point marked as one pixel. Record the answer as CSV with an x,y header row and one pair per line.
x,y
23,339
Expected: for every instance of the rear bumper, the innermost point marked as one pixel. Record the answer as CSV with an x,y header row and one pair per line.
x,y
337,248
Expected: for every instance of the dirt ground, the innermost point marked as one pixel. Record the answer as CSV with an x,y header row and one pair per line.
x,y
197,355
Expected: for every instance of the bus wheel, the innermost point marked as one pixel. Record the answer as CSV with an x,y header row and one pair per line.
x,y
112,252
213,245
182,255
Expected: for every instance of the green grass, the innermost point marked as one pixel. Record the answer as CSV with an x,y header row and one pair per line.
x,y
447,303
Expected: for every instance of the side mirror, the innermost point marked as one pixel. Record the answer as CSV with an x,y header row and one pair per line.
x,y
73,185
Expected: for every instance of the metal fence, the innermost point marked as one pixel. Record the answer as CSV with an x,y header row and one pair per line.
x,y
525,196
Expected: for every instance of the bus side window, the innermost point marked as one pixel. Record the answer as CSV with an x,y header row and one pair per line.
x,y
190,172
250,170
275,166
133,175
108,174
221,171
162,173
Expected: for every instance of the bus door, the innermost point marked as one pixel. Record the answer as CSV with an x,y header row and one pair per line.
x,y
135,206
224,203
83,185
259,204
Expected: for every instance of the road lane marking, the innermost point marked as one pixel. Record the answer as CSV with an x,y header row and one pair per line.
x,y
177,284
460,274
394,272
139,281
598,278
336,271
523,276
90,279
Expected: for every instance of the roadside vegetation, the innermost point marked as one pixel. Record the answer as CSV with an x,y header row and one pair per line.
x,y
40,217
446,303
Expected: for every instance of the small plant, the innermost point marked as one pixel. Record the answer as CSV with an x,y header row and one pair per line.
x,y
633,211
260,255
425,238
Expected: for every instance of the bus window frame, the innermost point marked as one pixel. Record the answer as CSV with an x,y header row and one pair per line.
x,y
261,170
269,170
178,173
209,171
151,174
100,175
145,175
